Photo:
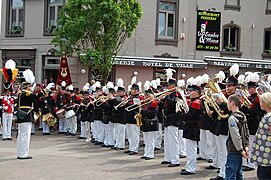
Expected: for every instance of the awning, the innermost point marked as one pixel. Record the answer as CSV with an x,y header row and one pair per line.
x,y
159,62
243,63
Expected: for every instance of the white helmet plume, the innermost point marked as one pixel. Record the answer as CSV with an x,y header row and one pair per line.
x,y
29,76
254,77
133,81
169,73
181,83
221,76
197,81
10,64
153,84
241,79
120,82
158,81
63,83
147,85
109,85
205,78
234,70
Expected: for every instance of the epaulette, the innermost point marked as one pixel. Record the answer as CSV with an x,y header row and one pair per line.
x,y
257,100
154,104
196,104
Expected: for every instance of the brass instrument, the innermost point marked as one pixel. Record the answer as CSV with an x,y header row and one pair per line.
x,y
122,103
245,94
210,101
182,102
157,96
138,118
213,87
99,102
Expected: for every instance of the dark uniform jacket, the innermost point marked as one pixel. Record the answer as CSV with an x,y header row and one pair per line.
x,y
108,111
85,110
254,114
191,120
118,113
47,104
26,98
170,110
205,120
149,117
97,112
129,116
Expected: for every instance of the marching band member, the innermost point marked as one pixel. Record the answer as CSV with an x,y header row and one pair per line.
x,y
46,104
253,114
171,140
222,123
109,139
8,109
37,95
25,103
191,130
61,101
71,109
97,116
119,105
133,131
85,113
160,115
149,122
205,143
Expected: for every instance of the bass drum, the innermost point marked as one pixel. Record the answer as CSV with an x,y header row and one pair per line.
x,y
70,114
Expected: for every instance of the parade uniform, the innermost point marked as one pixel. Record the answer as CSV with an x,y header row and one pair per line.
x,y
160,116
120,123
61,102
191,132
133,131
8,109
171,136
149,127
72,105
108,119
46,104
84,117
25,102
37,95
254,115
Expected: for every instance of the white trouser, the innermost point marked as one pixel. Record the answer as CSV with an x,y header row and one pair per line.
x,y
68,125
215,150
144,138
182,145
158,136
62,125
23,139
73,124
33,130
133,135
88,135
7,123
110,133
40,122
149,144
246,162
120,135
45,127
222,153
93,130
99,130
171,145
205,145
83,129
105,141
191,154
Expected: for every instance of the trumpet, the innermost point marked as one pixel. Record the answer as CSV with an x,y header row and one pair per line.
x,y
157,96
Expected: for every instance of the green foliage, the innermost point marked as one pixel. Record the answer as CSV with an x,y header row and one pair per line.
x,y
230,47
96,28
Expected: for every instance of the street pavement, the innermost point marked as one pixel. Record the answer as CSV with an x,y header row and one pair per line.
x,y
67,158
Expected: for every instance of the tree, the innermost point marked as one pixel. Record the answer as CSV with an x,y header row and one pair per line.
x,y
97,29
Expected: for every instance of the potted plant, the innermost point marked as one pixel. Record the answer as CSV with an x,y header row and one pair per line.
x,y
16,30
231,48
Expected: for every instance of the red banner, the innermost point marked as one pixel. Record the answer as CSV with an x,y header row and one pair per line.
x,y
64,72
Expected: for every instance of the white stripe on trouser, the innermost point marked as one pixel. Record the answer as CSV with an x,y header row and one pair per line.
x,y
7,122
158,136
93,130
222,153
62,125
149,144
215,150
173,144
205,146
110,133
246,162
23,139
191,154
166,145
83,129
120,135
73,124
99,130
133,135
45,127
182,144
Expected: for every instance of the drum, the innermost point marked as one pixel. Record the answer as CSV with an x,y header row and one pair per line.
x,y
49,119
60,114
70,114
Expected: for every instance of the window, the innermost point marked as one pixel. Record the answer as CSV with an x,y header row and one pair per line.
x,y
268,7
52,12
267,41
231,40
232,5
167,22
15,15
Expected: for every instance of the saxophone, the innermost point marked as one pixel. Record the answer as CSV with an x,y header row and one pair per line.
x,y
138,118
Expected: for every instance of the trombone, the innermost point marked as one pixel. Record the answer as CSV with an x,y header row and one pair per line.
x,y
157,96
122,103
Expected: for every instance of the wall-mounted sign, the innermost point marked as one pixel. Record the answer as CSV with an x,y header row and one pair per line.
x,y
208,30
